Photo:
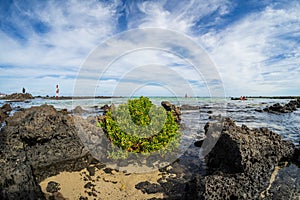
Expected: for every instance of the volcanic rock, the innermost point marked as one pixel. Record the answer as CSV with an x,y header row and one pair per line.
x,y
240,149
52,187
18,97
189,107
241,162
37,143
4,112
79,110
291,106
175,110
105,108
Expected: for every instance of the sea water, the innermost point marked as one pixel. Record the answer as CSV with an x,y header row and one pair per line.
x,y
191,160
242,112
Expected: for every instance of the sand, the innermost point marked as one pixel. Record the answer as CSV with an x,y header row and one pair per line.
x,y
272,179
112,186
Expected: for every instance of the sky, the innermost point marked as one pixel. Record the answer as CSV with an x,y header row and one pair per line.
x,y
155,48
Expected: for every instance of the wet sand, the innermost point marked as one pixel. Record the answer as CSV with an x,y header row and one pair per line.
x,y
104,185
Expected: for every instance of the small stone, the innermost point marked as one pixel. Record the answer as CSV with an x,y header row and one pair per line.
x,y
149,188
83,198
108,170
91,170
53,187
89,185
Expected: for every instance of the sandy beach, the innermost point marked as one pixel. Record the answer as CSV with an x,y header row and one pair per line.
x,y
104,184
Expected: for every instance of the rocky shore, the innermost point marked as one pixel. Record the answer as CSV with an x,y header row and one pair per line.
x,y
37,143
241,163
17,97
4,112
277,108
41,142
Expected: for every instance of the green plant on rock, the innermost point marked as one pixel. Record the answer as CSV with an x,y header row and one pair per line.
x,y
141,127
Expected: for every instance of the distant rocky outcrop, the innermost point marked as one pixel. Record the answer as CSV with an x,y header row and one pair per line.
x,y
37,143
291,106
18,97
189,107
241,162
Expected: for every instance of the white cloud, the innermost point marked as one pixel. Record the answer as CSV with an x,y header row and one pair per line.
x,y
258,54
179,16
243,51
122,57
74,28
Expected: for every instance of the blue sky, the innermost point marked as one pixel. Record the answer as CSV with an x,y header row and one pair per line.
x,y
254,45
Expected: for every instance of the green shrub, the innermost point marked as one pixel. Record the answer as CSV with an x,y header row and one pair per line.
x,y
141,127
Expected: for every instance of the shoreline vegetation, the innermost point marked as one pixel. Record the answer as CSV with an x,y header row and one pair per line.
x,y
50,154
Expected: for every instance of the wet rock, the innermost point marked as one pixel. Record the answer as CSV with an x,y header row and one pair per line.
x,y
259,110
83,198
149,188
240,164
79,110
222,186
108,171
198,143
105,108
17,180
52,187
286,184
174,188
167,105
277,108
175,110
240,149
91,170
37,143
189,107
6,108
18,96
89,185
4,112
296,158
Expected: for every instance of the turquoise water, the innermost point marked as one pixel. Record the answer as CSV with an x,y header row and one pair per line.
x,y
243,112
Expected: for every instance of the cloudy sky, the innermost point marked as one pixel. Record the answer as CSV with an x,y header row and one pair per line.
x,y
242,47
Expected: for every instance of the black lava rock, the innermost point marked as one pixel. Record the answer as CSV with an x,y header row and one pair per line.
x,y
53,187
149,188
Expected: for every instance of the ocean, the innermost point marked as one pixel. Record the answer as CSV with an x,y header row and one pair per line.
x,y
242,112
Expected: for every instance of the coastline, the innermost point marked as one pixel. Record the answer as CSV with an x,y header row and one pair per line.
x,y
42,144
